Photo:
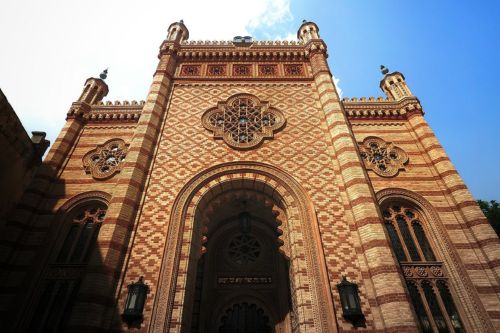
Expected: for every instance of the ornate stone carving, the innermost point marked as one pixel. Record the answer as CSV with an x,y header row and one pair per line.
x,y
243,249
242,70
105,160
423,270
382,157
268,70
243,121
191,70
293,69
216,70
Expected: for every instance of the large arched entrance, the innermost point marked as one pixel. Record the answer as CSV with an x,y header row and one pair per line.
x,y
242,284
243,241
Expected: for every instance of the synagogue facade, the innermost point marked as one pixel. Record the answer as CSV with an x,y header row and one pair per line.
x,y
243,195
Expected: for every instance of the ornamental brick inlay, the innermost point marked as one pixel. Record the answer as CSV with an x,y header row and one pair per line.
x,y
216,70
242,70
191,70
382,157
293,69
105,160
268,69
243,121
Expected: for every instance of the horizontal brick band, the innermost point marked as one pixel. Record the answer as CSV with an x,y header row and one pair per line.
x,y
391,298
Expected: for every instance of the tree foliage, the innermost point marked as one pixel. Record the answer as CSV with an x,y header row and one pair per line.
x,y
492,212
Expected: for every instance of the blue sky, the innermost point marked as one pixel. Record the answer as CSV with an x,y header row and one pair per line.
x,y
447,50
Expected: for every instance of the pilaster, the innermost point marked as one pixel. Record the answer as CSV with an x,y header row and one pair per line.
x,y
388,290
114,236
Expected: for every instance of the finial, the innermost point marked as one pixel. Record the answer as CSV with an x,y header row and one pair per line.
x,y
104,74
304,21
181,21
384,69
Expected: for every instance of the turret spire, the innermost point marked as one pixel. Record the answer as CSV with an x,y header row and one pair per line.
x,y
104,74
384,69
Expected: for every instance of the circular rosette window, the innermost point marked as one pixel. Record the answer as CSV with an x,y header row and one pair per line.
x,y
243,121
244,249
384,158
105,160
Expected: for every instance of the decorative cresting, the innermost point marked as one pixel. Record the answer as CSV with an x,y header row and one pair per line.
x,y
105,160
382,157
243,121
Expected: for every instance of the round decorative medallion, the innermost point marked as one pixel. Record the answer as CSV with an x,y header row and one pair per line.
x,y
243,249
243,121
105,160
382,157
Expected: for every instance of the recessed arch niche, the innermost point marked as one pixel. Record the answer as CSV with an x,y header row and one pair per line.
x,y
297,239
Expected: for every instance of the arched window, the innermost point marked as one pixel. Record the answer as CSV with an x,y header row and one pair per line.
x,y
427,285
85,224
63,276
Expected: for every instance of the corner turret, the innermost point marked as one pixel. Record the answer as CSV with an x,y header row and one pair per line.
x,y
394,84
177,32
95,89
308,31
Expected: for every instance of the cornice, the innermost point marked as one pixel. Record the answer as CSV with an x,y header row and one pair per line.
x,y
380,108
227,50
128,111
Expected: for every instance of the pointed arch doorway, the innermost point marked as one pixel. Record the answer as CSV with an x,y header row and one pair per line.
x,y
205,219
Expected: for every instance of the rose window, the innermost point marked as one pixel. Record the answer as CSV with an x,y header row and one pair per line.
x,y
105,160
243,121
382,157
243,249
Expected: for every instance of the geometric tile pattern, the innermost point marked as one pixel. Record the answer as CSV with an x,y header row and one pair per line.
x,y
185,149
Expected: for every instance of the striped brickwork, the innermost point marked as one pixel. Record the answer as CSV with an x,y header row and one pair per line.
x,y
100,283
310,171
469,252
385,288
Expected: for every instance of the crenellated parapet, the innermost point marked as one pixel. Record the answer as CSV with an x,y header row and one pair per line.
x,y
381,108
253,43
121,111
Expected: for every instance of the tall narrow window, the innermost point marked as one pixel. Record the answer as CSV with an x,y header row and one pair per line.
x,y
425,279
62,278
82,233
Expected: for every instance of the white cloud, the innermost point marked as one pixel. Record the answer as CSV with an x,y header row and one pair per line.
x,y
270,13
50,47
336,82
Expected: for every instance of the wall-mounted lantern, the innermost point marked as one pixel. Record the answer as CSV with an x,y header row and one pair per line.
x,y
349,298
136,298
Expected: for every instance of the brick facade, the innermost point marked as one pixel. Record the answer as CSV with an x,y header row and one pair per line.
x,y
308,181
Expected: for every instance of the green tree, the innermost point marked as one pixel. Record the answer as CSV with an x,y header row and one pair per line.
x,y
492,212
